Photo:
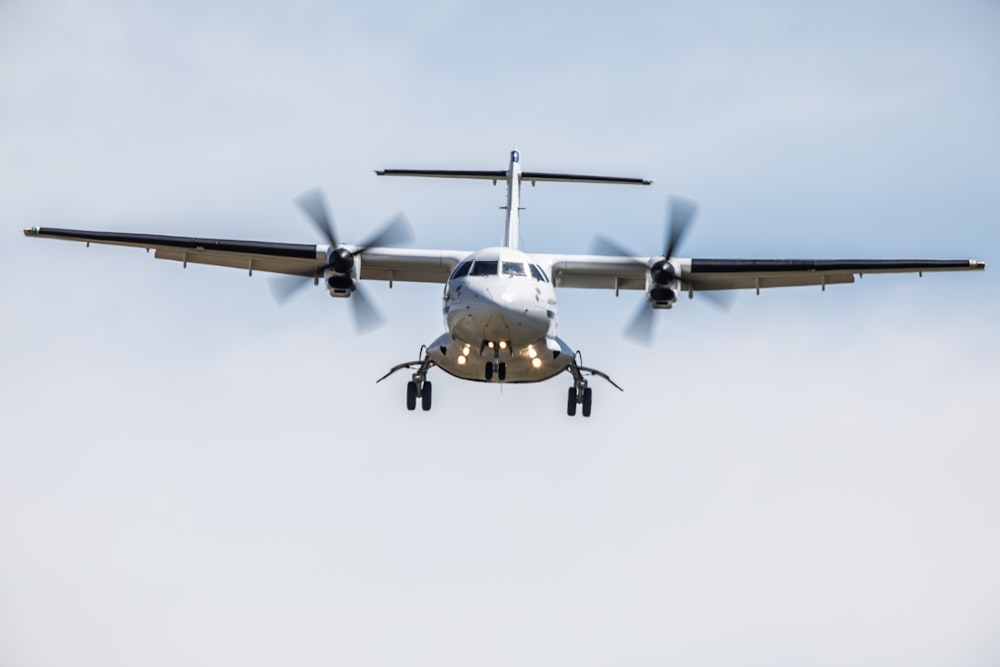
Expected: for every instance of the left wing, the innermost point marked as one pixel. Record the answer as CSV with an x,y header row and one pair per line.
x,y
298,259
612,272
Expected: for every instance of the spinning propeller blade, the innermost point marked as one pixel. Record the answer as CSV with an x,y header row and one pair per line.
x,y
395,232
601,245
640,329
283,288
313,204
680,217
366,316
679,221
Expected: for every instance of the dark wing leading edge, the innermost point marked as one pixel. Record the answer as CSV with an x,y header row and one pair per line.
x,y
298,259
629,273
726,274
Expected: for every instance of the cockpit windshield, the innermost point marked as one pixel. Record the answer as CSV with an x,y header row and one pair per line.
x,y
513,269
538,274
462,270
485,268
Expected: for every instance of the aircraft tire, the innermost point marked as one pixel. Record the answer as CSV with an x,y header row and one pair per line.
x,y
425,397
489,371
411,395
571,402
587,397
502,371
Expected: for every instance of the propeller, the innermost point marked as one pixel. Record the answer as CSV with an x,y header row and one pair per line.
x,y
680,216
394,232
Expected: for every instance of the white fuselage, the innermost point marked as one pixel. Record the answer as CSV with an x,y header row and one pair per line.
x,y
500,307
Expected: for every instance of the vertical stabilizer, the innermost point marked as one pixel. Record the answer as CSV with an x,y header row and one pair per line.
x,y
510,237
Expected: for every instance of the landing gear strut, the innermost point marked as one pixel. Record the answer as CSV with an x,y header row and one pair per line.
x,y
580,394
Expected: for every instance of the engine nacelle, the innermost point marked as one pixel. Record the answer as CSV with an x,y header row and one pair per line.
x,y
662,285
342,273
341,286
662,297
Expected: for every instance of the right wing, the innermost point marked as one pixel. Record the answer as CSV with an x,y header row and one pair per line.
x,y
620,273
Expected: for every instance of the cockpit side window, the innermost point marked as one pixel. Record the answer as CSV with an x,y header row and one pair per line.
x,y
462,270
513,269
538,274
484,268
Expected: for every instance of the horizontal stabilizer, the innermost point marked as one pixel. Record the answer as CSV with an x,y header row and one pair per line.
x,y
445,173
579,178
495,176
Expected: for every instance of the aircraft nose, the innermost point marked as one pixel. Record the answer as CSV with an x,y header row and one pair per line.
x,y
499,312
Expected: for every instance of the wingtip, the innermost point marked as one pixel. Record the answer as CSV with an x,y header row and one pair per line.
x,y
976,264
31,231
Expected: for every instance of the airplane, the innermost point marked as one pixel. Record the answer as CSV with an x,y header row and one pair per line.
x,y
500,307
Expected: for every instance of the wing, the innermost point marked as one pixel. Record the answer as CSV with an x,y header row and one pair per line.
x,y
298,259
723,274
609,272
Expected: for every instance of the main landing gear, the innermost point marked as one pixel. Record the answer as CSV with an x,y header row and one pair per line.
x,y
419,387
415,389
581,398
580,394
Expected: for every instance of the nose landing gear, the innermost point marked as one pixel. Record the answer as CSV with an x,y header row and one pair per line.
x,y
495,367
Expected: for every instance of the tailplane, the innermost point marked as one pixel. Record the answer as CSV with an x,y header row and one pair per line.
x,y
513,176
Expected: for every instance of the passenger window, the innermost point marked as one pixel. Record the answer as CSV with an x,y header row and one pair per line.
x,y
538,274
481,268
513,269
462,270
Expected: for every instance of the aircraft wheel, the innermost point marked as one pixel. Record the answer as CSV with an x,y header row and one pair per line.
x,y
411,395
502,371
571,402
587,396
425,397
489,371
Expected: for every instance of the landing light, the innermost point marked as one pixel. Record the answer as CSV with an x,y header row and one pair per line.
x,y
461,360
503,345
465,351
536,362
532,353
490,345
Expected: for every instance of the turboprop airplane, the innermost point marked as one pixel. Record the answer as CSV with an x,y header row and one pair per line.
x,y
500,309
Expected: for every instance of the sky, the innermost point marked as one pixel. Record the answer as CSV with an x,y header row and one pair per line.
x,y
192,474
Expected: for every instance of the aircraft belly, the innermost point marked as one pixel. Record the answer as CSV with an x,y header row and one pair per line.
x,y
520,367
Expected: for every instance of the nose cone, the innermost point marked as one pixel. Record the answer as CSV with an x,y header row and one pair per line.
x,y
498,311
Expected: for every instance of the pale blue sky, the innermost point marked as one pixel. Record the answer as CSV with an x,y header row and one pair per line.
x,y
191,474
